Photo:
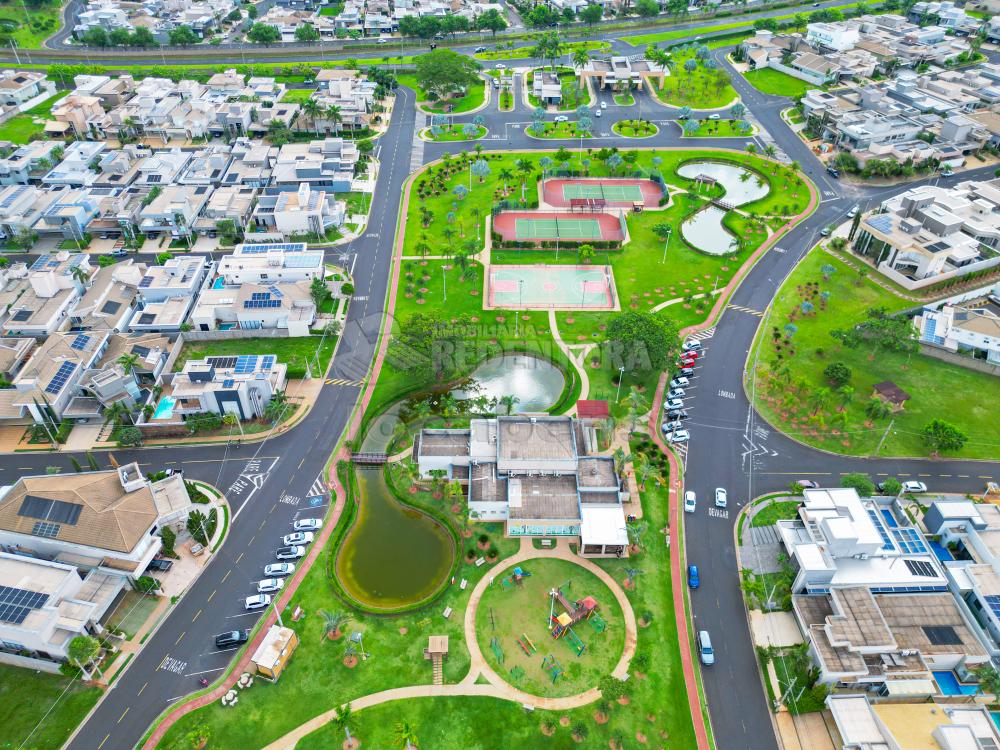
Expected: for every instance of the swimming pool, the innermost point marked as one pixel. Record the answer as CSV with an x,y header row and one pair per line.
x,y
941,552
995,715
218,283
949,684
165,409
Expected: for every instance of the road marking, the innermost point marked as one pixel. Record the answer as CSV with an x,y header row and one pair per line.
x,y
963,476
747,310
226,575
180,637
941,475
197,615
207,671
261,525
163,662
272,509
250,542
141,689
301,462
727,394
210,596
981,476
342,381
103,741
799,473
239,558
123,714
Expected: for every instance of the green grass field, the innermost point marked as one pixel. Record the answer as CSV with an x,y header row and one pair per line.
x,y
33,23
624,99
40,705
292,351
557,130
475,96
20,128
718,129
635,128
455,133
702,88
591,45
790,391
298,95
779,510
770,81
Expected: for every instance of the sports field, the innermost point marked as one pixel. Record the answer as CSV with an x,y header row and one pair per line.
x,y
549,226
556,287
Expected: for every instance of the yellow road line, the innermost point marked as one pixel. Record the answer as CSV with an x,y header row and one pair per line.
x,y
180,637
123,715
226,575
103,741
197,615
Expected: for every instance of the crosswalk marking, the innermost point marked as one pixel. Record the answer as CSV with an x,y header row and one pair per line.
x,y
703,335
318,487
747,310
341,381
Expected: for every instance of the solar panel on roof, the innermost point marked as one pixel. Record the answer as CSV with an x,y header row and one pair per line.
x,y
59,379
994,604
267,363
881,222
80,342
21,315
909,542
275,291
16,604
920,568
886,541
110,308
222,362
227,383
40,262
942,635
303,261
142,351
46,509
146,319
146,282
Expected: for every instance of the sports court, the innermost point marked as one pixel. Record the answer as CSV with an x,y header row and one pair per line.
x,y
608,192
544,226
554,287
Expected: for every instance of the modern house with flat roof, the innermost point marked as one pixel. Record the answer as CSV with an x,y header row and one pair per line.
x,y
866,725
55,283
282,305
621,73
267,262
540,475
970,328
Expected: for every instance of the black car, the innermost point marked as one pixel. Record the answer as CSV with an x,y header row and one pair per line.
x,y
232,638
677,414
834,172
160,564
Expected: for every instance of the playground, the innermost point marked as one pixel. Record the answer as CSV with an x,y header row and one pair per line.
x,y
539,226
602,191
513,287
550,628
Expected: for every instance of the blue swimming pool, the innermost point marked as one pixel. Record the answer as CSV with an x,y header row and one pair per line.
x,y
995,715
941,552
890,520
218,283
949,684
165,409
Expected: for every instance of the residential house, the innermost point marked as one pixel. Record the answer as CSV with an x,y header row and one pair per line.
x,y
13,354
110,300
76,115
29,162
546,87
302,212
328,163
350,92
174,211
862,723
24,88
620,73
55,283
231,202
168,292
283,305
21,208
969,328
251,165
75,168
71,212
263,263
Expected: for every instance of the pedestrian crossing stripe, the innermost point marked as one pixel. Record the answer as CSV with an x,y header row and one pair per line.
x,y
747,310
703,335
341,381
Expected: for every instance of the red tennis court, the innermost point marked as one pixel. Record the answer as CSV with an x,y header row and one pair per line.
x,y
620,193
538,226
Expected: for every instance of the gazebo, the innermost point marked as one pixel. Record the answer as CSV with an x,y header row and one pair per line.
x,y
891,394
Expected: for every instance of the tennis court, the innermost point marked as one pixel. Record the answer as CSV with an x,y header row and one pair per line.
x,y
544,226
621,193
551,287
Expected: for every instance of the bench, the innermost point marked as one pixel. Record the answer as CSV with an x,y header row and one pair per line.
x,y
546,542
447,612
481,561
463,584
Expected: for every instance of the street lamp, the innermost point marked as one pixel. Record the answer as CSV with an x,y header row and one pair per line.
x,y
444,283
666,242
621,375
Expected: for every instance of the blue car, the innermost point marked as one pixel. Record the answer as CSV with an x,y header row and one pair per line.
x,y
693,579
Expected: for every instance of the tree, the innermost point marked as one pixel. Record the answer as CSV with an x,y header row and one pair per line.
x,y
837,374
333,622
641,341
263,33
251,11
128,362
881,331
611,687
406,737
319,291
891,486
491,21
876,408
276,406
95,37
82,651
232,419
306,32
548,47
120,37
183,35
25,239
647,8
508,402
143,37
592,14
442,73
989,678
198,736
343,719
860,482
939,436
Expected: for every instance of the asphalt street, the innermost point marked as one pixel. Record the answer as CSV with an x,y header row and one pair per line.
x,y
270,484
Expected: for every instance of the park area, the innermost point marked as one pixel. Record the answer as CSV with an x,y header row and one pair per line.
x,y
566,655
835,411
695,82
554,287
769,81
472,99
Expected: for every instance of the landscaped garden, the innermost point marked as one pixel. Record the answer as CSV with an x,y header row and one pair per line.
x,y
28,25
472,98
458,132
624,99
634,128
695,80
573,94
507,50
557,130
717,129
816,371
28,697
770,81
28,125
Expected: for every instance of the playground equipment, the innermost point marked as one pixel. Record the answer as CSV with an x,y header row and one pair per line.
x,y
597,622
526,645
574,642
517,577
582,609
497,648
551,665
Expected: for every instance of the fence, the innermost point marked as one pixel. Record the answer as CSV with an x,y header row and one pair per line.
x,y
236,333
912,285
962,360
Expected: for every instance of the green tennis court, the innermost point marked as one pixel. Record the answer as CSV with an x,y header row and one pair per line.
x,y
550,229
611,193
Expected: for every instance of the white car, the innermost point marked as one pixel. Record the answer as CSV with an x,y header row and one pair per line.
x,y
679,382
279,569
562,118
678,436
308,524
914,487
501,66
598,113
676,393
260,601
721,499
270,585
853,212
691,345
298,538
673,403
689,501
714,117
675,424
604,105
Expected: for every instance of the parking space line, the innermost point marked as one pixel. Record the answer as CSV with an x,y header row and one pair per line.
x,y
141,689
206,671
250,542
210,596
239,558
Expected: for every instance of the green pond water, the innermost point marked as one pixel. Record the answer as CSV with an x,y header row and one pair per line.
x,y
394,555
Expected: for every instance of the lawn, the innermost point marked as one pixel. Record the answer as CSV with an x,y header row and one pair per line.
x,y
20,128
298,95
28,697
556,130
132,612
42,21
823,294
634,128
473,98
357,203
292,351
591,45
770,81
779,510
701,88
457,132
656,714
510,614
719,129
573,94
625,99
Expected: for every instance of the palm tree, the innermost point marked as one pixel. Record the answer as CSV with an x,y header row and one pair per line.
x,y
508,402
580,57
117,412
621,460
406,738
505,175
635,532
230,419
332,623
332,113
631,574
79,275
525,168
128,362
312,109
342,719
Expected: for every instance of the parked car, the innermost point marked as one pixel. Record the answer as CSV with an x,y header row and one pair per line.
x,y
678,414
232,638
604,105
120,252
690,501
299,537
705,650
833,171
691,354
721,498
279,569
257,601
501,66
308,524
678,436
383,40
270,585
561,118
691,345
676,393
674,403
679,382
853,212
824,232
807,484
480,49
914,487
693,580
671,426
160,564
290,553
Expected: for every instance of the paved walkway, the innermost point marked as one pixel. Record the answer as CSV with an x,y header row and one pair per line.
x,y
570,350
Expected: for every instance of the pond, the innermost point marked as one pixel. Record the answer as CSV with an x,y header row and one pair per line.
x,y
705,229
393,555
